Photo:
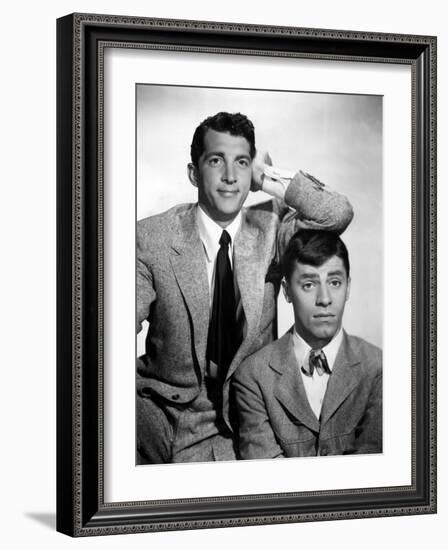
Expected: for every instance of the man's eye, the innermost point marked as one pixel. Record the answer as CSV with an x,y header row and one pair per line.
x,y
335,283
215,161
244,163
307,286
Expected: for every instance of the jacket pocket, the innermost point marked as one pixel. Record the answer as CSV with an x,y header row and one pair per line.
x,y
290,433
341,444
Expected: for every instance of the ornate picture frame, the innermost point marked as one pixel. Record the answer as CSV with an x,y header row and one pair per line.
x,y
81,506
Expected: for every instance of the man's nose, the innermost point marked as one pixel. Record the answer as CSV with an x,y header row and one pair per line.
x,y
229,175
323,296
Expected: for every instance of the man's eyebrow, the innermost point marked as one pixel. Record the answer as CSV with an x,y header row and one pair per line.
x,y
244,156
336,272
221,154
309,276
214,154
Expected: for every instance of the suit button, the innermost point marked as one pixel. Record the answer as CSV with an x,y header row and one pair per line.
x,y
175,397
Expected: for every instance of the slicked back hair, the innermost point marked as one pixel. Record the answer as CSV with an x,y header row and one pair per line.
x,y
235,124
313,247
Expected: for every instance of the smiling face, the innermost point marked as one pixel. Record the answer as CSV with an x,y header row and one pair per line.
x,y
223,175
318,296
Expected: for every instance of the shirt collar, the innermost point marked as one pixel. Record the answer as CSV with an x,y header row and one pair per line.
x,y
210,232
302,349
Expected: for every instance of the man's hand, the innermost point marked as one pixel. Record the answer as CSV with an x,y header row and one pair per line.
x,y
258,164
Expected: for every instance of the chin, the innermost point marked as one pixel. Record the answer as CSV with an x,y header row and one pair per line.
x,y
228,213
325,334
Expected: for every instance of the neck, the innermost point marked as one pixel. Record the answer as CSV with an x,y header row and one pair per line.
x,y
313,341
223,222
317,343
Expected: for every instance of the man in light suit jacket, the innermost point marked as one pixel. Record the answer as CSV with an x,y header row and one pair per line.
x,y
316,390
207,283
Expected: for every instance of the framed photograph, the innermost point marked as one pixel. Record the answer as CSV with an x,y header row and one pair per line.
x,y
246,274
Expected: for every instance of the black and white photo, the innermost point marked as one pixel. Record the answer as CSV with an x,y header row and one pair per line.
x,y
209,270
246,274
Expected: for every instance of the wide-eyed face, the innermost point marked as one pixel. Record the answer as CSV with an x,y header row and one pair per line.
x,y
318,296
223,176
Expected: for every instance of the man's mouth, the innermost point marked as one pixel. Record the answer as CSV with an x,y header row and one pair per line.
x,y
227,192
324,316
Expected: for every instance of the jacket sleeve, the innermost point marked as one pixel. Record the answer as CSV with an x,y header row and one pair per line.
x,y
369,432
256,437
146,294
312,205
316,205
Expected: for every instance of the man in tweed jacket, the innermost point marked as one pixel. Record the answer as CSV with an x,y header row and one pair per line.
x,y
316,390
183,414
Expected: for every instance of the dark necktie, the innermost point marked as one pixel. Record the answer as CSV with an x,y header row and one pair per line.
x,y
316,361
223,338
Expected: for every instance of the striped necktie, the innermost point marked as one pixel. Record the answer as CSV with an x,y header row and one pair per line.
x,y
316,361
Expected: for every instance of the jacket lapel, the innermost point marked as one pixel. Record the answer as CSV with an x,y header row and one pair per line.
x,y
344,378
249,265
290,391
188,263
249,260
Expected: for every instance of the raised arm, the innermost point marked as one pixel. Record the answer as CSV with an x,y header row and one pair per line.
x,y
315,205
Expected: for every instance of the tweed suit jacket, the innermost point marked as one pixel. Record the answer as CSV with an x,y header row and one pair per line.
x,y
173,292
276,419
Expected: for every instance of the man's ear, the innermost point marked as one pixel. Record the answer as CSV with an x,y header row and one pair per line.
x,y
193,174
347,294
285,288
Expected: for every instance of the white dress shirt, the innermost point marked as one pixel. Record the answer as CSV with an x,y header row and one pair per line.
x,y
210,233
316,385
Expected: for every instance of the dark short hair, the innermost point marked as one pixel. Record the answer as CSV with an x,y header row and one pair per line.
x,y
313,247
235,124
